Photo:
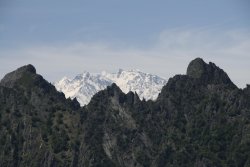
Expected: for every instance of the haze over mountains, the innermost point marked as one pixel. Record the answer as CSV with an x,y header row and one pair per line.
x,y
85,85
200,119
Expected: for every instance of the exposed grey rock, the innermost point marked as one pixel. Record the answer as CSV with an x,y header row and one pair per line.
x,y
11,78
207,73
196,68
199,119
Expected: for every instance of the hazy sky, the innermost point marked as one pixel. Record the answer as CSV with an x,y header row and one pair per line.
x,y
64,38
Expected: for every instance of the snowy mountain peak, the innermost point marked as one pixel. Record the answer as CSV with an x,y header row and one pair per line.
x,y
85,85
85,75
64,80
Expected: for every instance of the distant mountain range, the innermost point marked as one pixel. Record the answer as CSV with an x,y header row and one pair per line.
x,y
85,85
200,119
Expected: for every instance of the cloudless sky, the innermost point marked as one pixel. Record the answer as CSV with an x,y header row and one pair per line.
x,y
123,24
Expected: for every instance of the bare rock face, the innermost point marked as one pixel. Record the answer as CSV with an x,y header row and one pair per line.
x,y
12,78
208,73
199,119
196,68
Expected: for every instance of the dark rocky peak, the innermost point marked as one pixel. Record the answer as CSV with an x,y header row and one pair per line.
x,y
199,75
207,73
111,91
114,86
74,103
115,92
132,98
114,89
11,78
196,68
247,90
26,78
27,68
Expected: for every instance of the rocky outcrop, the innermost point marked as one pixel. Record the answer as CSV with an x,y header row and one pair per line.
x,y
199,119
10,79
209,73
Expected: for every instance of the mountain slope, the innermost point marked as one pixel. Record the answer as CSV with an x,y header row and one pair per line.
x,y
85,85
37,122
199,119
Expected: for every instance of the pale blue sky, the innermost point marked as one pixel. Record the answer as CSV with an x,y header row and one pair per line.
x,y
62,37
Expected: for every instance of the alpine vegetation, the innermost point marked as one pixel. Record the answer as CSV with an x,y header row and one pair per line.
x,y
199,119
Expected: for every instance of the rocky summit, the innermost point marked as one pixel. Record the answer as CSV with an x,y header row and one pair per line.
x,y
210,73
199,119
10,79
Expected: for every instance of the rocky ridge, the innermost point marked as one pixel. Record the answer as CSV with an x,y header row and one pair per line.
x,y
199,119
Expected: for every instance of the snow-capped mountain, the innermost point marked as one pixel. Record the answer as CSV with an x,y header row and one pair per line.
x,y
85,85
